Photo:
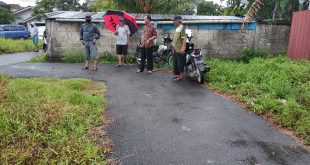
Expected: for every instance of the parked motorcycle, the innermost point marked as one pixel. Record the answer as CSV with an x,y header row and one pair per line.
x,y
195,67
161,54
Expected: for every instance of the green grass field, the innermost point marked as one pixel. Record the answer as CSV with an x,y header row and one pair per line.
x,y
52,121
13,46
276,87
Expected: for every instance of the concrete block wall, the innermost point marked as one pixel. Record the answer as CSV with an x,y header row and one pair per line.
x,y
227,44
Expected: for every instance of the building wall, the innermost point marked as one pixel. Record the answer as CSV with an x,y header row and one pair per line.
x,y
217,41
22,16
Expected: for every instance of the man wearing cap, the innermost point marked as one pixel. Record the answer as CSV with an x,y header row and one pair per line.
x,y
147,40
122,41
35,36
89,33
179,46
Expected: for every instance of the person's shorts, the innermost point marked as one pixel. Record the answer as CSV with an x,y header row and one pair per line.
x,y
35,40
121,49
181,61
90,51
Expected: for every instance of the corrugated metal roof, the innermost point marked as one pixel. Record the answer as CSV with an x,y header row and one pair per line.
x,y
299,36
157,17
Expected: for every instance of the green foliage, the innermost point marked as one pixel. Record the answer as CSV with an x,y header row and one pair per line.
x,y
104,58
208,8
13,46
275,86
46,6
6,17
248,54
74,56
51,121
146,6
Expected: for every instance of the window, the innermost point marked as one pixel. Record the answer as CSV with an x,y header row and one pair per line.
x,y
21,28
13,28
6,28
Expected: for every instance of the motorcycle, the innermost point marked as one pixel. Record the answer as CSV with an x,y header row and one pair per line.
x,y
195,67
162,54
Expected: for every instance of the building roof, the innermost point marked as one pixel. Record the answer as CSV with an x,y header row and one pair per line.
x,y
3,3
97,16
23,10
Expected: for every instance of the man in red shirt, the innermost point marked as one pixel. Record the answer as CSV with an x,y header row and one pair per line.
x,y
147,40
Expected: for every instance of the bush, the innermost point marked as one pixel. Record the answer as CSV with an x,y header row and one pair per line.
x,y
13,46
73,56
249,54
270,85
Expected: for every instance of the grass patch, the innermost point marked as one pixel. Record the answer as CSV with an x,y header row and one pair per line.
x,y
103,58
14,46
41,58
277,87
47,121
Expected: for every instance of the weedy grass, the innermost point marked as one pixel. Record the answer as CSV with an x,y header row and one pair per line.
x,y
77,56
46,121
274,86
13,46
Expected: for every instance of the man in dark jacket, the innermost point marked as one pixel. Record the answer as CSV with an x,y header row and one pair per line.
x,y
89,33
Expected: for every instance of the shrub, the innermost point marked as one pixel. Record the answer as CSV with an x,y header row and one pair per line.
x,y
249,54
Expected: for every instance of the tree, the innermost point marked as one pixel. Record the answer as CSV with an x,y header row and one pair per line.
x,y
6,17
45,6
208,8
146,6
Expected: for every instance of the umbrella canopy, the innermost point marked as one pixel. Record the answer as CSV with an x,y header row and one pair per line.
x,y
111,20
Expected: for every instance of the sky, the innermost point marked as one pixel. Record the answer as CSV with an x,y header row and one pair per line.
x,y
25,3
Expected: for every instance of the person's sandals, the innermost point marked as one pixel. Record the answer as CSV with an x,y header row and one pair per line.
x,y
139,71
85,67
95,69
178,79
175,77
118,65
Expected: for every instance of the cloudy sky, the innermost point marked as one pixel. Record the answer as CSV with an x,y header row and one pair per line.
x,y
32,2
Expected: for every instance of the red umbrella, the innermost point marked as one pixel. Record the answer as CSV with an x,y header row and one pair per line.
x,y
111,20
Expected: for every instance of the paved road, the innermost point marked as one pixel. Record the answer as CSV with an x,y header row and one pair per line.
x,y
157,121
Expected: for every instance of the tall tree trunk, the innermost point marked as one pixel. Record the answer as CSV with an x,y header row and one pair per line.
x,y
274,9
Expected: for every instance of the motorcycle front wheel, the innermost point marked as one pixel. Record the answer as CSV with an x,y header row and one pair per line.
x,y
200,77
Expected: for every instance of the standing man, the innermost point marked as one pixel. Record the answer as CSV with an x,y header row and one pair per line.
x,y
35,36
122,41
89,33
179,46
147,41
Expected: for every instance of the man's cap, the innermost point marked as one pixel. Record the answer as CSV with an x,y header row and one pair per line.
x,y
177,17
121,19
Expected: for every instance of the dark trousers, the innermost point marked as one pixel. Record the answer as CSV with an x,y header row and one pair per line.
x,y
179,61
147,53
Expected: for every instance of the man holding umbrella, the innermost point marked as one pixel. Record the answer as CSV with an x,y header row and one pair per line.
x,y
122,41
147,40
89,33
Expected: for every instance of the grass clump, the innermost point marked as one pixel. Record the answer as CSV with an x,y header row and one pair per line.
x,y
104,58
47,121
14,46
41,58
277,87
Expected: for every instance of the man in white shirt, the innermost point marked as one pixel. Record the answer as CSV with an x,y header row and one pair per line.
x,y
35,36
122,41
